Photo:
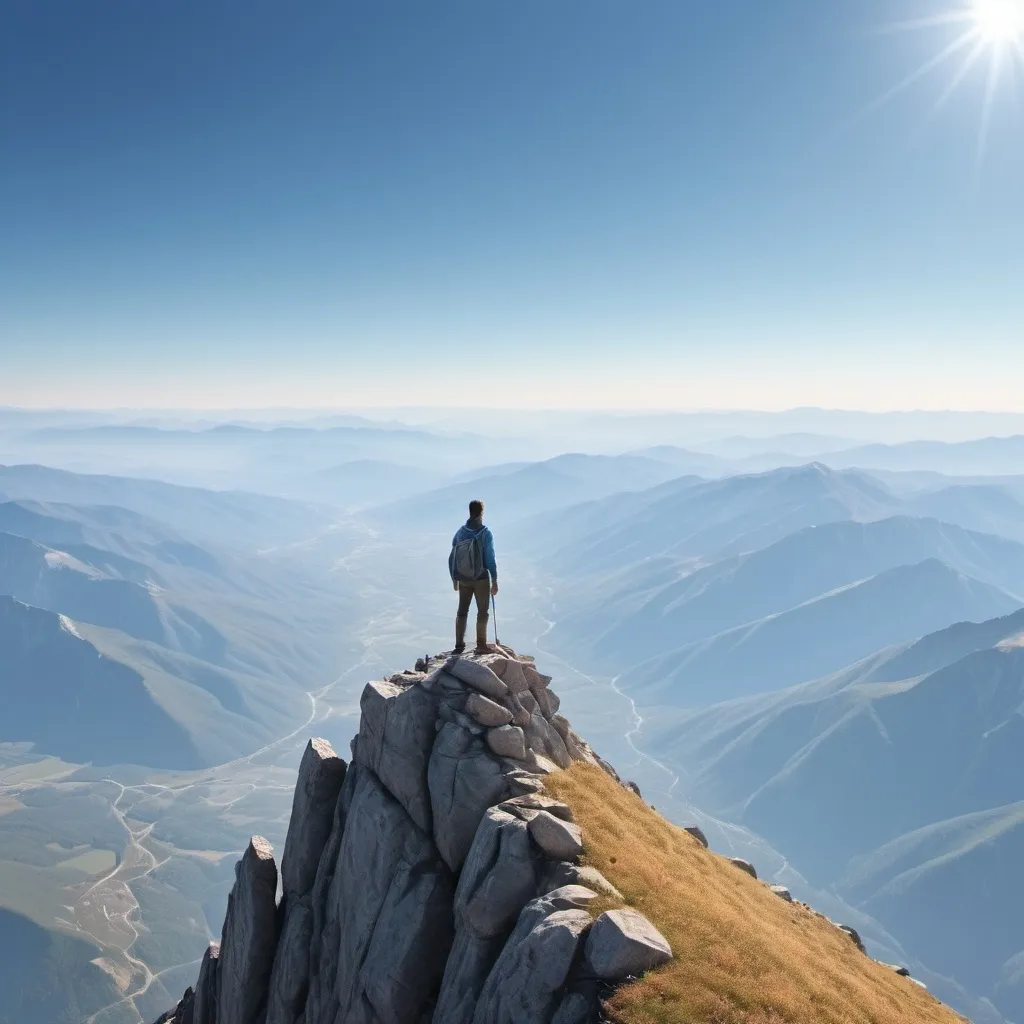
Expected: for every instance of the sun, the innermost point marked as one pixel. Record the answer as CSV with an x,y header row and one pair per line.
x,y
999,21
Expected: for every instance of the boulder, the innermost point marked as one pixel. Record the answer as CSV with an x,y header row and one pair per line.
x,y
396,736
527,981
543,739
783,893
560,840
497,880
507,741
854,935
486,712
623,944
520,716
464,780
744,865
698,833
249,937
533,802
514,678
562,873
478,676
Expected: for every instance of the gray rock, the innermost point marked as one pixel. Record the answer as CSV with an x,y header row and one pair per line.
x,y
544,740
527,981
507,741
560,840
389,914
204,1004
634,788
623,944
783,893
513,677
249,937
698,833
321,774
577,1008
396,736
486,711
854,935
744,865
289,979
464,781
528,702
479,676
538,802
520,716
497,880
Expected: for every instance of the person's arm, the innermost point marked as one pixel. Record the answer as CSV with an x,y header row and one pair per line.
x,y
451,563
489,562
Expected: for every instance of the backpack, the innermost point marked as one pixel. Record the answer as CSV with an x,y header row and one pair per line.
x,y
469,558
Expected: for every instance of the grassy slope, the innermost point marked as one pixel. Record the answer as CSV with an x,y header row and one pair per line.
x,y
742,955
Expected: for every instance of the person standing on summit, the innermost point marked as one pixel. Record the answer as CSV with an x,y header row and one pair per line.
x,y
474,574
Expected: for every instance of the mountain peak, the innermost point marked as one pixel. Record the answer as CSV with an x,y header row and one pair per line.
x,y
452,873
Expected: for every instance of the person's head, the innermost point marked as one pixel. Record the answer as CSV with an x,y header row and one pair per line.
x,y
476,509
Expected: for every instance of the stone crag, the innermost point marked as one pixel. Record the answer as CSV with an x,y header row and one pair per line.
x,y
430,879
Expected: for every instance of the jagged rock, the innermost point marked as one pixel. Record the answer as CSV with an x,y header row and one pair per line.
x,y
634,789
528,702
477,675
396,736
560,840
464,781
321,775
744,865
514,678
204,1005
562,873
579,1006
389,908
520,716
486,711
534,802
854,935
534,965
698,833
497,880
623,943
249,937
544,740
507,741
783,893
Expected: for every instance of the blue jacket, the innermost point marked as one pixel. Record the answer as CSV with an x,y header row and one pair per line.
x,y
487,548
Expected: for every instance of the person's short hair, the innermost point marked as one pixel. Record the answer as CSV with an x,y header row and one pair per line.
x,y
476,509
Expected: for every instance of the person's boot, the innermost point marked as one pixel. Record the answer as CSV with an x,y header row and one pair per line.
x,y
460,634
482,646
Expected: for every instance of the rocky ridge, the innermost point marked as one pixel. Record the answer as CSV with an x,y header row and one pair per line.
x,y
430,879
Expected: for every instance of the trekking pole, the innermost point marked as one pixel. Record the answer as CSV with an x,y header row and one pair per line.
x,y
494,611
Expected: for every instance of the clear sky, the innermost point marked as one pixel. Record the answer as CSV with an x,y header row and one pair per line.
x,y
219,203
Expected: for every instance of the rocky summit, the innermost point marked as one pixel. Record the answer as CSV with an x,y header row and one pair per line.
x,y
431,878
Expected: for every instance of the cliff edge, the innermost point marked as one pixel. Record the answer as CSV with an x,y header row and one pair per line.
x,y
436,878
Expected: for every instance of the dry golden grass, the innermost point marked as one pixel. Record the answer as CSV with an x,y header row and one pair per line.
x,y
742,955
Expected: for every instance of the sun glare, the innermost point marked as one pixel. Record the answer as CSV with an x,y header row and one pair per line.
x,y
999,21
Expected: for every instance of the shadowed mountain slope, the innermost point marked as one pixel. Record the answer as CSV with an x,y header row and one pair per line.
x,y
817,637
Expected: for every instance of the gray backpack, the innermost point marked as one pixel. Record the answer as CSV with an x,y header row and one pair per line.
x,y
469,558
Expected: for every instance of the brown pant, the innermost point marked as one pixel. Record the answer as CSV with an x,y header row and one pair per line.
x,y
481,590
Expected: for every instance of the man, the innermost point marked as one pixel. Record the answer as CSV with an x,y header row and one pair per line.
x,y
474,573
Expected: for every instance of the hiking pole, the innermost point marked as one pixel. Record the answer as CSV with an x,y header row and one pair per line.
x,y
494,612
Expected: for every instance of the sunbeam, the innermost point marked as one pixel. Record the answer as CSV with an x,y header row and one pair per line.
x,y
992,27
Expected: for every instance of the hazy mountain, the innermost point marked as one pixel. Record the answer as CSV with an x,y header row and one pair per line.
x,y
363,481
655,608
708,519
937,888
986,456
987,507
229,517
816,637
65,696
542,487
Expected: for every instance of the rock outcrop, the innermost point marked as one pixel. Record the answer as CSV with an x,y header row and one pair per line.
x,y
431,879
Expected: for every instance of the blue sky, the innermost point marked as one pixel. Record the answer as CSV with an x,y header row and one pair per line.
x,y
550,202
